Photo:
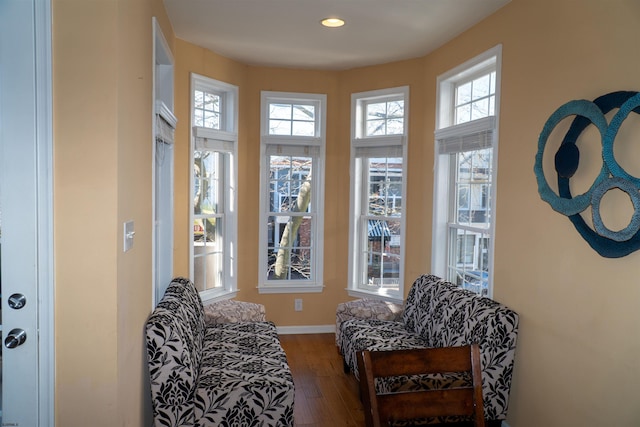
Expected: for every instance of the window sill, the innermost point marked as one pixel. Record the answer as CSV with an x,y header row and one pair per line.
x,y
290,289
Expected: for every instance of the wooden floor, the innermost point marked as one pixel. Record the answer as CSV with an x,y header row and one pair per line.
x,y
325,395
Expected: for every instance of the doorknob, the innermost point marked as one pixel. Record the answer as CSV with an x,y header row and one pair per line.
x,y
15,338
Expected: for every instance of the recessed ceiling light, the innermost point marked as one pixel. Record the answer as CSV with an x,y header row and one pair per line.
x,y
332,22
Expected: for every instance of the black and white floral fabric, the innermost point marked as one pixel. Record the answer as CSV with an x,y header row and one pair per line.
x,y
231,374
438,313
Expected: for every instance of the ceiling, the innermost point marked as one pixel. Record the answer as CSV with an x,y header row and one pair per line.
x,y
287,33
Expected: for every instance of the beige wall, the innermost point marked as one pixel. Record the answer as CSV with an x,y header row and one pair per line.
x,y
576,361
102,72
577,353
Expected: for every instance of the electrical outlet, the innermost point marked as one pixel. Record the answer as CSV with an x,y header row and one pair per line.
x,y
298,304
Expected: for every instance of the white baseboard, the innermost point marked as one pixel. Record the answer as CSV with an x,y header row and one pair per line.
x,y
311,329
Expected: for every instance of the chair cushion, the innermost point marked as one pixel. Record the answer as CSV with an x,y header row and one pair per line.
x,y
244,378
372,334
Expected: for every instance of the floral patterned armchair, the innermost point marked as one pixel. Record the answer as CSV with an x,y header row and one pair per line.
x,y
438,313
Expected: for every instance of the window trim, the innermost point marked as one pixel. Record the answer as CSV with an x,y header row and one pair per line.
x,y
485,62
318,141
358,198
224,140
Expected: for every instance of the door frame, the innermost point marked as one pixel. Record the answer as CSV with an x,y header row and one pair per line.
x,y
44,182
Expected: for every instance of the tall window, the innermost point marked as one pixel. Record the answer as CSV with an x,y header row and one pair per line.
x,y
465,171
291,195
378,166
213,202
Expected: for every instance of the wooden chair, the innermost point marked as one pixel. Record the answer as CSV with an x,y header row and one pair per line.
x,y
383,408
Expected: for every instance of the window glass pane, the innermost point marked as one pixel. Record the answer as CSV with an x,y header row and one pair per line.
x,y
207,270
383,253
290,247
207,170
280,111
304,112
208,253
480,109
395,127
290,183
198,97
211,120
211,102
206,109
303,128
463,114
376,111
385,186
463,197
480,87
395,109
473,183
471,266
463,93
279,127
198,117
375,127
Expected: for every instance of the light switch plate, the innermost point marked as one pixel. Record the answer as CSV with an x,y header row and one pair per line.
x,y
128,235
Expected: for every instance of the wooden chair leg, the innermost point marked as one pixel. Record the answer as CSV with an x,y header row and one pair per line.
x,y
345,366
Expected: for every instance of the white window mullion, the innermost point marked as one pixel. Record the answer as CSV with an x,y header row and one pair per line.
x,y
213,231
292,148
378,165
465,172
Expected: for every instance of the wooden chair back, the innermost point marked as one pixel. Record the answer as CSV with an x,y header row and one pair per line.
x,y
382,409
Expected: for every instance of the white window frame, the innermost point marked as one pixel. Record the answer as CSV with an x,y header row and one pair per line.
x,y
358,230
474,134
288,144
224,141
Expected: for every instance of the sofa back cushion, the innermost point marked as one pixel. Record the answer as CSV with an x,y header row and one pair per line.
x,y
461,317
175,335
417,309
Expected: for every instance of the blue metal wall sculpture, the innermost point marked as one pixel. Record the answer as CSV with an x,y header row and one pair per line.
x,y
608,243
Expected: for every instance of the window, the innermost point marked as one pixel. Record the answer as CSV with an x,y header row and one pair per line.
x,y
465,173
378,171
213,205
291,196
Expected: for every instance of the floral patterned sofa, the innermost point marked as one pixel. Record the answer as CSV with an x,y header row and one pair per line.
x,y
438,313
214,375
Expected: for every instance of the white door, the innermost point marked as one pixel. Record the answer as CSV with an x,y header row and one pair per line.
x,y
25,211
